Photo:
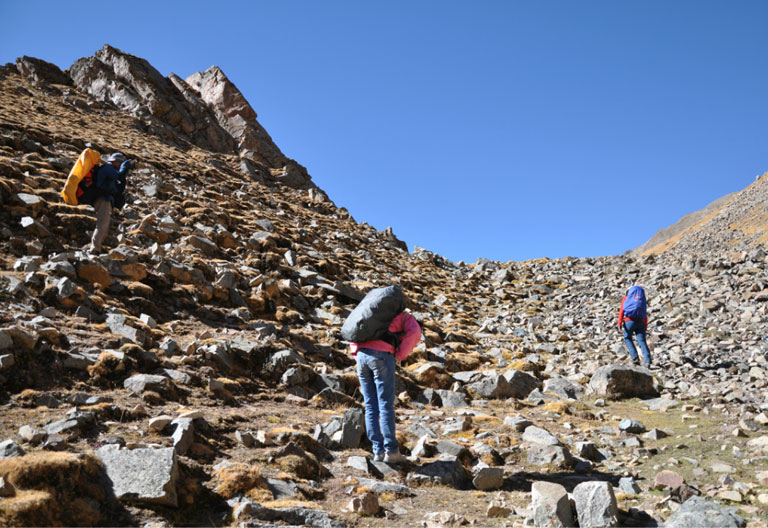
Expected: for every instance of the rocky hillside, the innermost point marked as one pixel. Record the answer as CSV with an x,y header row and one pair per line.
x,y
193,373
736,218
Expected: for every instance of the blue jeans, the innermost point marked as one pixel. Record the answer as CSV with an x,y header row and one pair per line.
x,y
376,371
638,329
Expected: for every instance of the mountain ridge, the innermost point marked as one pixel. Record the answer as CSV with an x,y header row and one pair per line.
x,y
748,222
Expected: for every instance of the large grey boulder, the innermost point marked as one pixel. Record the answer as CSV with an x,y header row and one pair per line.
x,y
442,398
144,475
537,435
448,472
522,383
631,426
139,383
549,455
563,388
279,361
697,512
589,451
488,478
450,399
491,386
596,505
170,347
550,505
622,381
300,375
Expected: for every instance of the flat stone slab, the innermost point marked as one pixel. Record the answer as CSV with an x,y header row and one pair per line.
x,y
144,475
378,486
657,404
139,383
537,435
697,512
358,462
518,423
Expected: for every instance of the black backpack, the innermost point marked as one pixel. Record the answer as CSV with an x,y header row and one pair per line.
x,y
87,190
371,318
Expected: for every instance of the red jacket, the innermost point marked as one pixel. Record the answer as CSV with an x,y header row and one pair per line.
x,y
404,322
621,314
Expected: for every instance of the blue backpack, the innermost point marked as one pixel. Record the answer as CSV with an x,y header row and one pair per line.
x,y
634,305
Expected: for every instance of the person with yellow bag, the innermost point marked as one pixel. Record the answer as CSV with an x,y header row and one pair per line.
x,y
101,186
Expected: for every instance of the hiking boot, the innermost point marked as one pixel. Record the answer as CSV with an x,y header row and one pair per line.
x,y
378,457
395,458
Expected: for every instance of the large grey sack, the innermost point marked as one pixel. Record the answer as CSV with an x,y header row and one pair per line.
x,y
371,318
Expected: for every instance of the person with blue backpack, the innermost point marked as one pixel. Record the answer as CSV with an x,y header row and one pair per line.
x,y
633,320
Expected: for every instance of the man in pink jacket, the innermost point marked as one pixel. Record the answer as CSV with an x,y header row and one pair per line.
x,y
376,370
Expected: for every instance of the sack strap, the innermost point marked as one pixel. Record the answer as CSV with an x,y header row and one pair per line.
x,y
394,338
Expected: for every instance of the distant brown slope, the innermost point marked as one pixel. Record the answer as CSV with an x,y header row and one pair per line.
x,y
739,216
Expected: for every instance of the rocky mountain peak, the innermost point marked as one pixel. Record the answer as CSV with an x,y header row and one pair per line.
x,y
206,109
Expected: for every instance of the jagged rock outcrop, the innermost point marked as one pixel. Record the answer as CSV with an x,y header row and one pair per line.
x,y
41,72
207,108
235,114
132,84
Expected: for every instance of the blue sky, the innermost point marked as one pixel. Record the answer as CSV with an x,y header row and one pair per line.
x,y
500,129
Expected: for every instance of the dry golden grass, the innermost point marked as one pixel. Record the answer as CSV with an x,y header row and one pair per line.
x,y
52,489
108,367
466,436
525,366
755,222
238,479
27,508
280,430
388,496
558,407
290,503
487,419
302,467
